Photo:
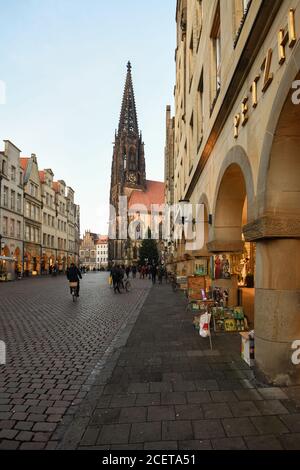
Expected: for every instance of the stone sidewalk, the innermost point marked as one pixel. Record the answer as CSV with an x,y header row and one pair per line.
x,y
162,388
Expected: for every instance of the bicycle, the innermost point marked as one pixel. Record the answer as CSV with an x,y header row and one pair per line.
x,y
125,285
74,293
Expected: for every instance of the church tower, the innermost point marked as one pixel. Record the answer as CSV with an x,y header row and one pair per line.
x,y
128,166
128,171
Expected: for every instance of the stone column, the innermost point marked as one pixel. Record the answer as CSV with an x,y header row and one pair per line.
x,y
277,297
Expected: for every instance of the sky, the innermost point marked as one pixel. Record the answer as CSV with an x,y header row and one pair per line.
x,y
63,63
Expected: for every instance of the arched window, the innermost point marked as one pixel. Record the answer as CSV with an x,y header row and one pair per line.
x,y
125,159
132,162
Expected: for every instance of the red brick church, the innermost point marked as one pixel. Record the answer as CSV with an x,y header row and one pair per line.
x,y
128,178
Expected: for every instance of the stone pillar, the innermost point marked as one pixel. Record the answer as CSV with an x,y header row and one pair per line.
x,y
277,296
277,308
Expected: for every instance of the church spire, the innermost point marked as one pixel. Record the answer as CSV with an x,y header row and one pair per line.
x,y
128,118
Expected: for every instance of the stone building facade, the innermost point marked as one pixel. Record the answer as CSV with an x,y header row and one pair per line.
x,y
11,203
102,252
39,221
32,216
88,250
49,235
237,140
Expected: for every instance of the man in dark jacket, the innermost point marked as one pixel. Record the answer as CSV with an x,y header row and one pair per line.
x,y
153,271
73,275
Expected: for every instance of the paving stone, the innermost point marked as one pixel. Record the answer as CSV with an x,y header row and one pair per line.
x,y
172,377
229,443
269,424
32,446
105,416
198,397
138,388
9,445
244,408
104,401
24,436
206,385
184,386
36,418
271,407
129,447
133,415
112,389
8,433
161,413
208,429
51,445
20,416
248,395
148,399
160,446
114,434
188,412
44,427
177,431
24,425
194,445
223,396
42,436
291,441
173,398
158,387
236,427
90,436
272,394
268,442
216,410
145,432
292,422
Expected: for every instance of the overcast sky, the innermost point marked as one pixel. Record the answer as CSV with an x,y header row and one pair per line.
x,y
64,66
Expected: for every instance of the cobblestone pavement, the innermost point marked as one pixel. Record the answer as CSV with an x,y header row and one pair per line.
x,y
165,389
54,352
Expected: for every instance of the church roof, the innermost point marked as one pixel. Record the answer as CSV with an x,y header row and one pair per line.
x,y
154,194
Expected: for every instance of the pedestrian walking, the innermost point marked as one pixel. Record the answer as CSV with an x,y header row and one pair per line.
x,y
134,271
160,274
153,272
127,270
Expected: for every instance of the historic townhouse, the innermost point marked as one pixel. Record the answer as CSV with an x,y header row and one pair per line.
x,y
62,224
71,236
102,252
236,151
11,206
49,236
32,216
88,250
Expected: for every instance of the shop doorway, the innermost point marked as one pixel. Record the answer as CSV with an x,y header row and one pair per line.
x,y
234,259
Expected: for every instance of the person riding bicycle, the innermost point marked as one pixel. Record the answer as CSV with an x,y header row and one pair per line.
x,y
116,275
73,275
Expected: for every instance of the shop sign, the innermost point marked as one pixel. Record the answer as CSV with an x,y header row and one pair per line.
x,y
265,75
296,353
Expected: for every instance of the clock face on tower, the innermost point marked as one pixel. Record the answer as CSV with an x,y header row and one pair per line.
x,y
132,177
